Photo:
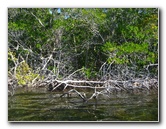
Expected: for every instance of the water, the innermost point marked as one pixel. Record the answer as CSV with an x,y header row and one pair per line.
x,y
41,105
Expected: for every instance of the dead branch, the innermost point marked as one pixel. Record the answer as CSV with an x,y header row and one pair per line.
x,y
79,94
109,85
37,19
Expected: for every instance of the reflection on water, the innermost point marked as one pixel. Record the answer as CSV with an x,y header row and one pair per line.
x,y
41,105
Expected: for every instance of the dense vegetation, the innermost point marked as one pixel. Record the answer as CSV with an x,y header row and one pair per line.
x,y
82,44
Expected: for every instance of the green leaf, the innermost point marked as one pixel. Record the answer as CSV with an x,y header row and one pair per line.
x,y
38,45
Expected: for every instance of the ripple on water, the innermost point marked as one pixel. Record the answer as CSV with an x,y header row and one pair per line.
x,y
39,105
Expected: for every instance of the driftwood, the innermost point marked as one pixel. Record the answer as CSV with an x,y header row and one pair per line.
x,y
100,87
122,85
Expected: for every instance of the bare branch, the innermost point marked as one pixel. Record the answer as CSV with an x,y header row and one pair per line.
x,y
38,19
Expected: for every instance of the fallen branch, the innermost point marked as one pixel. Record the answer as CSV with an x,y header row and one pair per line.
x,y
100,87
80,95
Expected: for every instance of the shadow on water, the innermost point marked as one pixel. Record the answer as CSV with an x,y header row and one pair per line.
x,y
41,105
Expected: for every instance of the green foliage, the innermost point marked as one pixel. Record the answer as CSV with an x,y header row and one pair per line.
x,y
89,73
11,56
89,37
134,36
25,74
128,52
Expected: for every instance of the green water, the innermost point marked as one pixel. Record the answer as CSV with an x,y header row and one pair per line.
x,y
41,105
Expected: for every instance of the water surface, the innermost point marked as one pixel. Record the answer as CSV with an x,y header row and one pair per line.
x,y
42,105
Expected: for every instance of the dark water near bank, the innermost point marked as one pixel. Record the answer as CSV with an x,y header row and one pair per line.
x,y
41,105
